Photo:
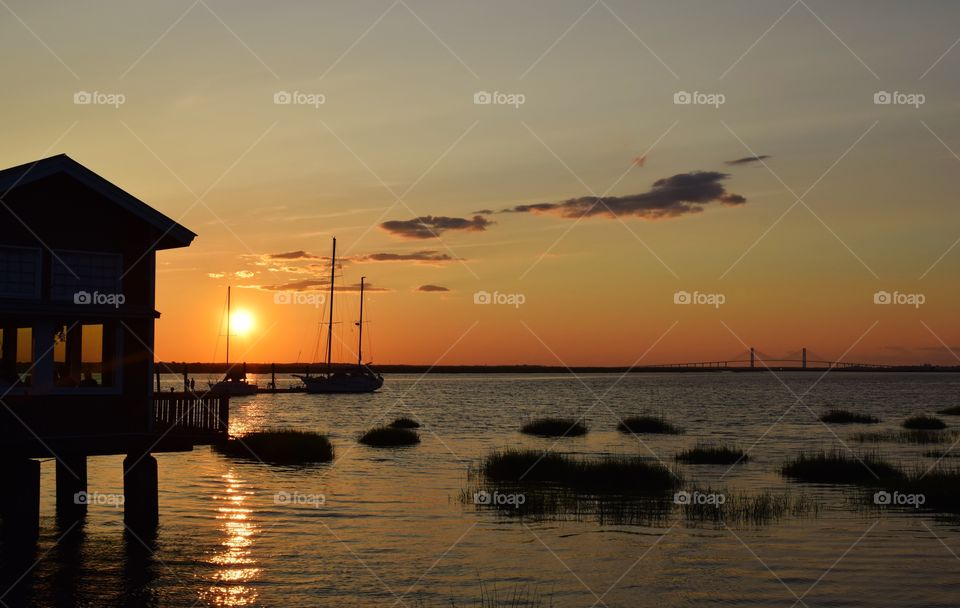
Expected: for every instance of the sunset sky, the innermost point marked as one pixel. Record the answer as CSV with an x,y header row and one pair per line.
x,y
699,198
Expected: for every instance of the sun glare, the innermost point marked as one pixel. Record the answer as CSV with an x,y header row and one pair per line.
x,y
241,322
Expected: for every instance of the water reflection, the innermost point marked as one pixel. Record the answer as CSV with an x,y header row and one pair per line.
x,y
236,568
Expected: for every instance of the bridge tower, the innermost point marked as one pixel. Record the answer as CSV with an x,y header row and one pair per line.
x,y
752,358
804,357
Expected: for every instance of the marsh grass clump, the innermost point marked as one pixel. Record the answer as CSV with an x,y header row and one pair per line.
x,y
404,423
950,411
924,423
841,467
839,416
617,474
554,427
279,446
389,437
713,454
919,437
638,425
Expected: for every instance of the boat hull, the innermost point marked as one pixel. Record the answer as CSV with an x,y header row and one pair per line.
x,y
342,383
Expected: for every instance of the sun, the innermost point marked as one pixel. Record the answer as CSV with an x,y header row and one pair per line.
x,y
241,322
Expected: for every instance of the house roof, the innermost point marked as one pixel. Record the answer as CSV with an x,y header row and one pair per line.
x,y
173,234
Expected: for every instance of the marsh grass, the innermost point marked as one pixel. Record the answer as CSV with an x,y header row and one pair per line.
x,y
617,474
839,416
942,454
743,508
841,467
554,427
389,437
925,423
405,423
712,454
919,437
950,411
638,425
279,446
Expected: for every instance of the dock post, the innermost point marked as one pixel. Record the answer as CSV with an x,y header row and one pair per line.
x,y
20,507
141,504
752,358
804,358
71,480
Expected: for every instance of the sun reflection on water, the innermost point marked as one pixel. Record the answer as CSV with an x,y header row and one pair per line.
x,y
236,567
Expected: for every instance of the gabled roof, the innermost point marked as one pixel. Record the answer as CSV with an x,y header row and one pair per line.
x,y
174,235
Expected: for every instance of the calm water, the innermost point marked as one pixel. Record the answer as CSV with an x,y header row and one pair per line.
x,y
393,530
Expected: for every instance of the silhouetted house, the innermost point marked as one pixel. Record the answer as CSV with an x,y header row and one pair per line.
x,y
77,293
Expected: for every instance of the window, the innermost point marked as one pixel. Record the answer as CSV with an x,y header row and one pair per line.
x,y
19,272
77,271
78,356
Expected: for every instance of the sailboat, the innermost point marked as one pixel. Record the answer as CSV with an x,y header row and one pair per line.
x,y
234,382
361,379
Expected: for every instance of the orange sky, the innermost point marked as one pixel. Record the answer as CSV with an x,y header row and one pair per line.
x,y
205,135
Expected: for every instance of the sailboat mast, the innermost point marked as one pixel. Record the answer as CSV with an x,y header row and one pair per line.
x,y
333,272
360,336
228,326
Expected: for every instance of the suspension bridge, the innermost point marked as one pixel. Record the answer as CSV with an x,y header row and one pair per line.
x,y
757,360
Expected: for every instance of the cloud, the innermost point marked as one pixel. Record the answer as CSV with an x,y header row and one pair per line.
x,y
291,255
746,160
215,275
318,285
424,257
431,226
669,197
243,274
431,288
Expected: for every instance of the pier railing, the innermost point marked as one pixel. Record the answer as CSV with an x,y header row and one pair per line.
x,y
191,414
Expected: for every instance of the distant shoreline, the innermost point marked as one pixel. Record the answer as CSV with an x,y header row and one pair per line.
x,y
299,368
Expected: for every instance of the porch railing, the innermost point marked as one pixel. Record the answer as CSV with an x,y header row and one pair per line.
x,y
191,414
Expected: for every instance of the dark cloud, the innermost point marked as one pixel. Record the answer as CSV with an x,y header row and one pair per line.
x,y
427,256
431,288
291,255
318,285
674,196
484,212
431,226
746,160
